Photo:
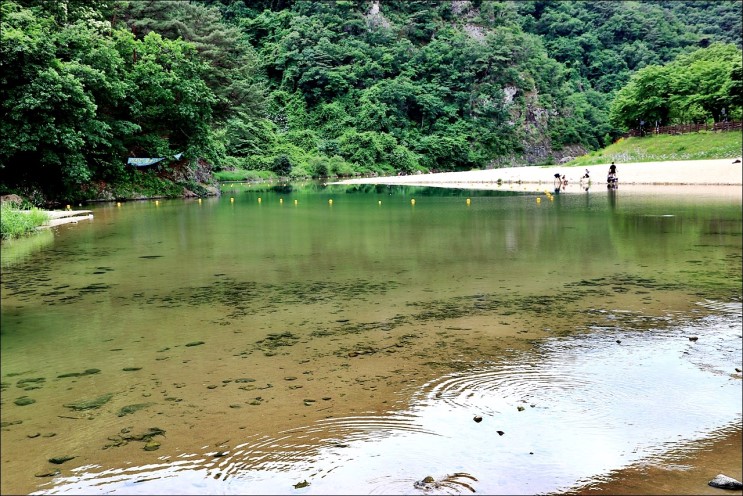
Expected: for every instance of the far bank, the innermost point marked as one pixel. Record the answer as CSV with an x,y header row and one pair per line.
x,y
720,172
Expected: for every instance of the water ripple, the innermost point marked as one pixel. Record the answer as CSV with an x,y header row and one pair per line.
x,y
568,413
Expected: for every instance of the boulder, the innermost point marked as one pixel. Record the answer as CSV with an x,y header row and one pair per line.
x,y
725,482
17,200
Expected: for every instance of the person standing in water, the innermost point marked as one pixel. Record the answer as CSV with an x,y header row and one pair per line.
x,y
611,181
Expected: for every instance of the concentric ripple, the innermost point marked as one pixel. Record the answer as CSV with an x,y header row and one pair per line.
x,y
568,413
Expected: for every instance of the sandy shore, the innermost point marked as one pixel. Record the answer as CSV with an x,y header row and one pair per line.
x,y
690,172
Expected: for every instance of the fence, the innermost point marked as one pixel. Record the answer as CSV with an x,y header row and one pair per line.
x,y
684,128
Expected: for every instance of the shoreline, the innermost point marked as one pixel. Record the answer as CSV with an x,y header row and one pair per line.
x,y
718,172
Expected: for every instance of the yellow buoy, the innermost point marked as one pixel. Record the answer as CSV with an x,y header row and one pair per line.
x,y
68,207
118,204
199,200
468,201
412,201
259,199
539,200
330,202
281,200
296,201
157,202
380,202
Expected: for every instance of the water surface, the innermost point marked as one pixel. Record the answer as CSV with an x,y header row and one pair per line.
x,y
273,337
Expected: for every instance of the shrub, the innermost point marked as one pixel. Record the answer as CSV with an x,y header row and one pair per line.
x,y
282,165
15,223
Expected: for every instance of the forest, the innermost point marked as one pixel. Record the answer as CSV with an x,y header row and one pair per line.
x,y
314,89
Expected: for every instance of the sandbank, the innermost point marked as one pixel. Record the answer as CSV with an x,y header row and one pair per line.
x,y
718,172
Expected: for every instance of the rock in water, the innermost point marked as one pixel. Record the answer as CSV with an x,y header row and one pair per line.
x,y
725,482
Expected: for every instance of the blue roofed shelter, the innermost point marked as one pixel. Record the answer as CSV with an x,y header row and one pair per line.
x,y
146,162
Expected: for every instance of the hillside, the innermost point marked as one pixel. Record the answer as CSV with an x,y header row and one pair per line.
x,y
333,88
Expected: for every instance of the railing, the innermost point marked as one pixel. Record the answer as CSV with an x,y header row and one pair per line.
x,y
684,128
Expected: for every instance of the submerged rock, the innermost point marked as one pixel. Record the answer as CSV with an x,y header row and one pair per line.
x,y
58,460
48,473
24,400
90,404
724,482
129,409
79,374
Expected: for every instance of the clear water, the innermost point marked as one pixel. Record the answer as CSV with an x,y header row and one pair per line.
x,y
276,337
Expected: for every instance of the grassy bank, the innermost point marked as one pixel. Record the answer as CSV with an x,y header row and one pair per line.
x,y
665,147
244,175
15,223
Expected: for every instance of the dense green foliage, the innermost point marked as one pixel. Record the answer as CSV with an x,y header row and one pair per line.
x,y
81,96
337,88
692,88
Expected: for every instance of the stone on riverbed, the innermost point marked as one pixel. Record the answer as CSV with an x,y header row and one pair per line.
x,y
128,409
90,404
24,400
48,473
724,482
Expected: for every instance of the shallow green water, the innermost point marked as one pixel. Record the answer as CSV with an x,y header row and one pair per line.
x,y
306,274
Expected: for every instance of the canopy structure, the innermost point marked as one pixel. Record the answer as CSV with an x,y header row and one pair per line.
x,y
146,162
143,162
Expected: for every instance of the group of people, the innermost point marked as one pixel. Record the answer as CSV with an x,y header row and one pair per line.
x,y
611,181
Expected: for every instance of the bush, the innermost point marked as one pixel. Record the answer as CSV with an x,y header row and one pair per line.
x,y
318,166
15,223
282,165
300,172
339,167
243,175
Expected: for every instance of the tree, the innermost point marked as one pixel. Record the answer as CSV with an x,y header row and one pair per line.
x,y
694,87
54,135
233,65
703,79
